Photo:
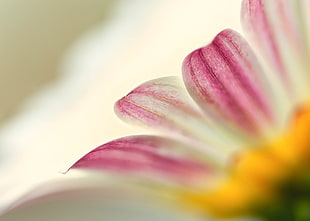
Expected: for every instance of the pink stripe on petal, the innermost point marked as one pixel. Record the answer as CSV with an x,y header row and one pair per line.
x,y
150,156
258,25
226,79
164,105
159,103
277,30
288,18
237,54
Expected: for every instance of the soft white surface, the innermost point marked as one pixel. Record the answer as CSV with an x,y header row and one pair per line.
x,y
144,40
74,200
81,209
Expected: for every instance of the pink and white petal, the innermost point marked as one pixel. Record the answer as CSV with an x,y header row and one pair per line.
x,y
278,31
164,105
304,8
150,157
225,79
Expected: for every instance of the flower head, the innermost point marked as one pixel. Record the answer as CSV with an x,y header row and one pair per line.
x,y
235,139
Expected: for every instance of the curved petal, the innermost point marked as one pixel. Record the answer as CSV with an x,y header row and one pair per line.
x,y
278,29
225,79
87,199
148,156
163,104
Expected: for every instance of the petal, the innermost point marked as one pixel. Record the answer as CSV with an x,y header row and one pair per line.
x,y
225,79
163,104
78,200
148,156
278,30
304,8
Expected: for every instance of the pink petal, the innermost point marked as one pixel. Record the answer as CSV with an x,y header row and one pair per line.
x,y
164,105
225,79
149,156
278,30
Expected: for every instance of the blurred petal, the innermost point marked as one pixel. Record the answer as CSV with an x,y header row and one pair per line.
x,y
77,201
278,31
149,156
225,79
163,104
304,7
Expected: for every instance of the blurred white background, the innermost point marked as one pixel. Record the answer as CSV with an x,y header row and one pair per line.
x,y
34,37
65,63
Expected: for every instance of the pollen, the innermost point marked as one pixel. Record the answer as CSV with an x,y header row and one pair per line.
x,y
257,178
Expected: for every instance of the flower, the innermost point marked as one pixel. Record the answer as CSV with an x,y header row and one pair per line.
x,y
241,147
238,144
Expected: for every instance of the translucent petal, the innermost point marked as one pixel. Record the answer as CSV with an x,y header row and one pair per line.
x,y
164,105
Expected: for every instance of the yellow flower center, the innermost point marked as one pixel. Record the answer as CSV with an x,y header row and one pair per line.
x,y
256,178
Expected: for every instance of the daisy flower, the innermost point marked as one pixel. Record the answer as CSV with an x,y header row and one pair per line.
x,y
232,137
235,139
